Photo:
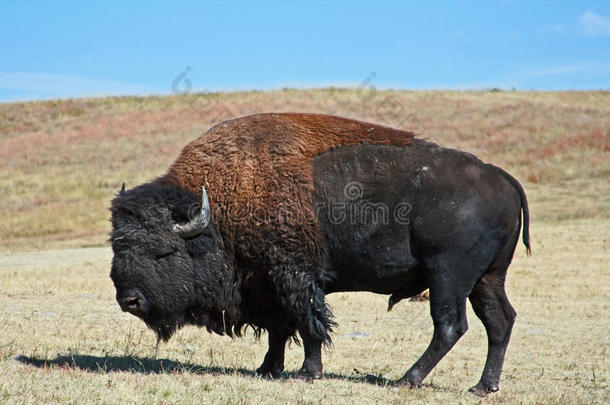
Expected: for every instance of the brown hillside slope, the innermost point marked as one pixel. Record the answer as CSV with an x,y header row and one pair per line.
x,y
61,161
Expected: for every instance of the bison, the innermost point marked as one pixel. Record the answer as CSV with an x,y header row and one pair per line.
x,y
263,216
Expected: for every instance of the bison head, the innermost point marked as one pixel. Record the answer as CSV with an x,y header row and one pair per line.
x,y
169,266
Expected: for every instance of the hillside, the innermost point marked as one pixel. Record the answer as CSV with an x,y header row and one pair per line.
x,y
62,161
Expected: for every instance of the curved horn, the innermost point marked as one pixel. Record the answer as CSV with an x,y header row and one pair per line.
x,y
196,225
122,192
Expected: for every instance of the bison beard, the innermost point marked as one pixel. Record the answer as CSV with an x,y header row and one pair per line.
x,y
272,249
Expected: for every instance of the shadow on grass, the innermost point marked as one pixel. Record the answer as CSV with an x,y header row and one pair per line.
x,y
130,364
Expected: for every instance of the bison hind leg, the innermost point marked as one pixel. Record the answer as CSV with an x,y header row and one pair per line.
x,y
491,305
449,318
449,289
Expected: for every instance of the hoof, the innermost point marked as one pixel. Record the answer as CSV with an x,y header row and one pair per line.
x,y
265,372
480,390
404,383
309,376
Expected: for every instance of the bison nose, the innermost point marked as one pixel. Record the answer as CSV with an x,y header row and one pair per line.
x,y
133,301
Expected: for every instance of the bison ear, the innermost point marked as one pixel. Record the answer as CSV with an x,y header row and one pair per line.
x,y
201,220
122,192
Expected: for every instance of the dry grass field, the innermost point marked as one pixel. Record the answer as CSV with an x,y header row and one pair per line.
x,y
63,338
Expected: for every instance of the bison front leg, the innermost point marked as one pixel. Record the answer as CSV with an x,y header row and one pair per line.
x,y
273,365
312,365
304,303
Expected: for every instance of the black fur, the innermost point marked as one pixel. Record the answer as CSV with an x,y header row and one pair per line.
x,y
189,281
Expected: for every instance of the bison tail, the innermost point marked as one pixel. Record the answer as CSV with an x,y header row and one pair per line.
x,y
524,209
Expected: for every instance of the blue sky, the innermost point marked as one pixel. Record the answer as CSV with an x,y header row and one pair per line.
x,y
77,49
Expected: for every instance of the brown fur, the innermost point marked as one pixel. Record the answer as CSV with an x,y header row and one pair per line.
x,y
258,171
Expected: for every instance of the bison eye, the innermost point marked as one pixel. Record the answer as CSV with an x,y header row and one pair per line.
x,y
164,253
